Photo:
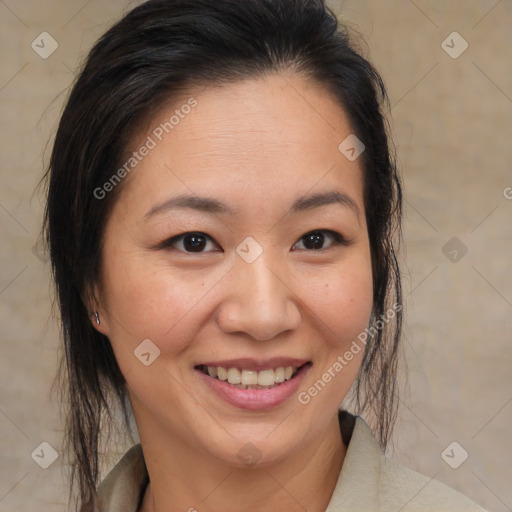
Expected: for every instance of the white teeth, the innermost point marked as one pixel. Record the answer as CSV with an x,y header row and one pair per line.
x,y
234,376
252,379
249,377
279,374
266,378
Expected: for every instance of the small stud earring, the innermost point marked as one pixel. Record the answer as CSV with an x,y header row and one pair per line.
x,y
96,317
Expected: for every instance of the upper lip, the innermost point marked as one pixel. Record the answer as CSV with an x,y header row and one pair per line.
x,y
256,364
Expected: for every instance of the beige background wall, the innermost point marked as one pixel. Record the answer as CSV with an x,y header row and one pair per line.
x,y
452,120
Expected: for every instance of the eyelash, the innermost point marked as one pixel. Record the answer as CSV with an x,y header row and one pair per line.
x,y
337,240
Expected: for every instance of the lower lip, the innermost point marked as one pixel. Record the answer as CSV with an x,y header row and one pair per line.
x,y
255,399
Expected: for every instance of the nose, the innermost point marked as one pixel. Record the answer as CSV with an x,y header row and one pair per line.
x,y
258,301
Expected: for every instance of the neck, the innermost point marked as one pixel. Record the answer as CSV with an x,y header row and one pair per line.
x,y
181,480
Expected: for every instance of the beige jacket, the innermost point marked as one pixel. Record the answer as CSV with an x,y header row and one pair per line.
x,y
368,481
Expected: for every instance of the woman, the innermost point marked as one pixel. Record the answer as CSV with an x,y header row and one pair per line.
x,y
222,216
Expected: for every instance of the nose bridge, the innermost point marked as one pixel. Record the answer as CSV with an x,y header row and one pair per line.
x,y
260,302
262,287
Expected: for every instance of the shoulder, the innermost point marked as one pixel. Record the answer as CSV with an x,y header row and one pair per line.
x,y
370,481
410,491
123,487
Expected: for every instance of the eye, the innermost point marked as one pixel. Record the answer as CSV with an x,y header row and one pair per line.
x,y
196,242
314,240
190,243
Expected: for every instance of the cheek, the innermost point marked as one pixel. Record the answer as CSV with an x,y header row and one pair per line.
x,y
341,299
151,302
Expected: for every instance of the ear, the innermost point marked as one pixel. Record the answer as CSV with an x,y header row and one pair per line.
x,y
97,313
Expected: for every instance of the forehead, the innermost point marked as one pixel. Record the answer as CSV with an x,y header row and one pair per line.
x,y
260,137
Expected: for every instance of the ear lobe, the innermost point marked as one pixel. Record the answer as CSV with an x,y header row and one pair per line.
x,y
95,311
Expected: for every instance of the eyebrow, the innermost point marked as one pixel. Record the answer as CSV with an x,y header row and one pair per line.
x,y
214,206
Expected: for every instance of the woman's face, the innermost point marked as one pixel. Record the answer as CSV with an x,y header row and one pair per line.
x,y
262,264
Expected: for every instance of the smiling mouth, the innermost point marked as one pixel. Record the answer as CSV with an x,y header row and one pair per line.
x,y
252,379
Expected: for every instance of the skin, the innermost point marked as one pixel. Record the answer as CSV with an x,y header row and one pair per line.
x,y
256,145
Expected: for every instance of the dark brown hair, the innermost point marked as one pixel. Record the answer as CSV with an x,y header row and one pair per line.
x,y
157,49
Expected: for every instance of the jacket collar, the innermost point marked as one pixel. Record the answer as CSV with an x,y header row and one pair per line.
x,y
358,482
